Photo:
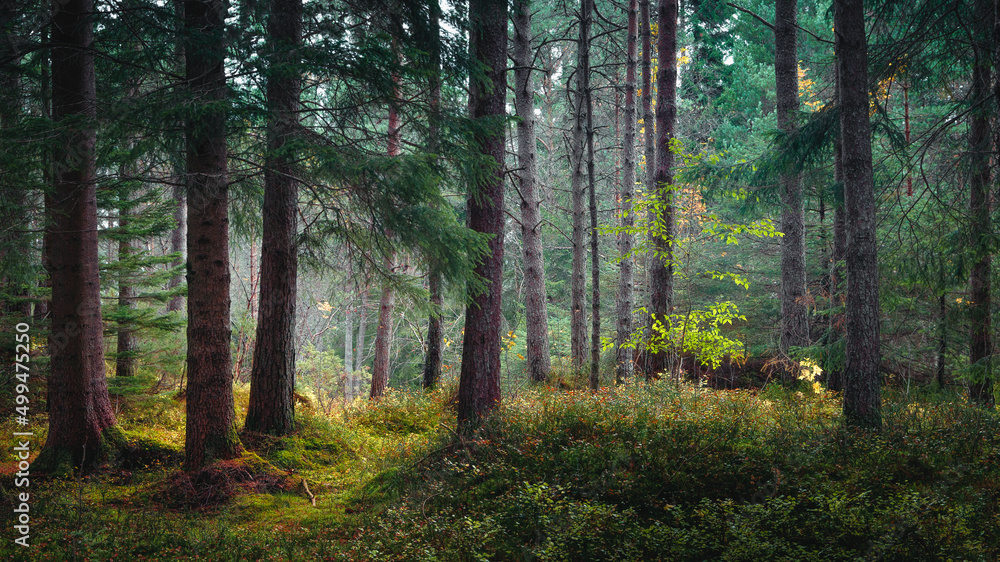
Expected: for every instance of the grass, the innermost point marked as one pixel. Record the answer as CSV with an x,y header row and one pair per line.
x,y
638,472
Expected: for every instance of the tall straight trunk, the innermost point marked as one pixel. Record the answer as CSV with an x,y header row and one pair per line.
x,y
835,377
661,268
648,123
272,377
178,238
479,383
211,420
578,283
862,389
794,315
360,354
383,333
435,333
595,269
535,301
980,343
349,333
80,415
624,367
649,142
942,335
128,340
383,338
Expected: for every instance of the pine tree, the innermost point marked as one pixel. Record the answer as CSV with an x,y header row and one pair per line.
x,y
479,382
82,426
535,300
862,388
211,419
272,379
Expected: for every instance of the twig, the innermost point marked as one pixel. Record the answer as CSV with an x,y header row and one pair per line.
x,y
305,486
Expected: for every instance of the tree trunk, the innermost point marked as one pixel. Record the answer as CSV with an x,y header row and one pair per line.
x,y
383,334
980,344
479,383
794,315
128,342
435,333
178,236
177,242
272,377
535,301
383,339
81,422
210,434
661,269
360,354
349,333
624,354
578,283
862,398
835,376
595,257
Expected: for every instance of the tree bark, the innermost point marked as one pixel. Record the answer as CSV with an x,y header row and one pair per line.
x,y
624,367
535,301
435,332
178,238
210,434
81,422
661,269
479,383
980,343
578,283
862,389
794,314
383,340
128,341
383,333
272,377
595,257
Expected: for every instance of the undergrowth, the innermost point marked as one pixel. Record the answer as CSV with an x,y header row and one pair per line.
x,y
652,472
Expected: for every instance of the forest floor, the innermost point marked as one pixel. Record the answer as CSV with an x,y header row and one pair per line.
x,y
642,472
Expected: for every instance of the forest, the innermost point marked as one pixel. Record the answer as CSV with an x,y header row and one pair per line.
x,y
499,279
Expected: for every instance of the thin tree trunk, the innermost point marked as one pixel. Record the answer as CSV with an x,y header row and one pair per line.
x,y
595,256
862,391
661,269
81,423
128,341
383,339
383,334
942,336
794,315
980,346
211,420
535,301
835,376
178,238
272,377
649,146
435,333
360,353
349,332
578,297
479,383
624,367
